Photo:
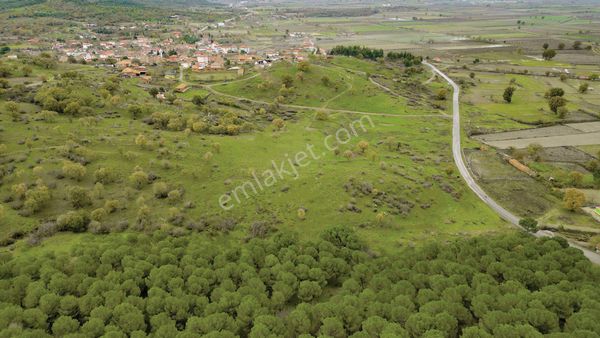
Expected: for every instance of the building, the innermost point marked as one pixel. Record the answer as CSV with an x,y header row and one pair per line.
x,y
182,88
130,72
217,62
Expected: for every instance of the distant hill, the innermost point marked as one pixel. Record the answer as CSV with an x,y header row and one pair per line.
x,y
9,4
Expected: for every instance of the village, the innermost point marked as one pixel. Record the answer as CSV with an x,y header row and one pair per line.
x,y
198,52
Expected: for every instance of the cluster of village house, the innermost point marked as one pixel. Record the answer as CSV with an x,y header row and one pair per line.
x,y
204,55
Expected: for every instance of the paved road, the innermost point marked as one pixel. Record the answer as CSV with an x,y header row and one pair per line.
x,y
466,174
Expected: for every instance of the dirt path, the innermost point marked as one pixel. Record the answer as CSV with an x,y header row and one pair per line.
x,y
313,108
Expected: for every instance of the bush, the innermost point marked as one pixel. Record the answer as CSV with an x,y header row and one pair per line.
x,y
574,199
98,214
105,175
441,94
529,224
76,221
37,198
78,197
174,196
73,170
112,205
138,179
160,190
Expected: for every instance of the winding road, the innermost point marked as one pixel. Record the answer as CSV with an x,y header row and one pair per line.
x,y
466,174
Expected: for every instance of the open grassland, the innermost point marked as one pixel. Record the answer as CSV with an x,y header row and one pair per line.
x,y
343,86
425,200
393,180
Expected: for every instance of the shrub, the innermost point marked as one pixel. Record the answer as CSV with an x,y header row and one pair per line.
x,y
37,198
278,123
574,199
160,190
138,179
200,127
363,146
78,197
321,115
112,205
19,190
141,141
441,94
529,224
76,221
73,170
301,213
174,196
98,214
105,175
562,112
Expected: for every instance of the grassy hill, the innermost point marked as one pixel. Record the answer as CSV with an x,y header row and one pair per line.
x,y
388,176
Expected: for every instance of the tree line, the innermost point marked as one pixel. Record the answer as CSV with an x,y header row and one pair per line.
x,y
373,54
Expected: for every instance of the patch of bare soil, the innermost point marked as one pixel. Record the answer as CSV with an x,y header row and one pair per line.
x,y
565,154
513,189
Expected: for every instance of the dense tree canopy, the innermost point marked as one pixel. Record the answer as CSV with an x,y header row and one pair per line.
x,y
357,51
159,286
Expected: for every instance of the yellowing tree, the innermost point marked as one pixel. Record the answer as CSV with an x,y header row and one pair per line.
x,y
301,213
363,146
574,199
141,141
278,123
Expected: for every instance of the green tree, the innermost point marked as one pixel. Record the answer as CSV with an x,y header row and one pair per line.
x,y
549,54
128,318
198,100
332,327
308,290
64,325
75,221
78,197
508,94
555,102
441,94
552,92
529,224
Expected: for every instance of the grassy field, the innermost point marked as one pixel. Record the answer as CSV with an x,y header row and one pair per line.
x,y
400,189
342,86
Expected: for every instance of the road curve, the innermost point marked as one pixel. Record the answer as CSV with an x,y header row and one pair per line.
x,y
466,174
